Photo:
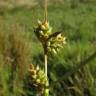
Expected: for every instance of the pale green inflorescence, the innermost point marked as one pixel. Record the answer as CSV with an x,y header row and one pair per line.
x,y
39,80
52,42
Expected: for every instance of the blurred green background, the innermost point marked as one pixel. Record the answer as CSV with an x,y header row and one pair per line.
x,y
77,20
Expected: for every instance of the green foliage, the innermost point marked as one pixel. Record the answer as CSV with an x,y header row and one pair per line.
x,y
77,21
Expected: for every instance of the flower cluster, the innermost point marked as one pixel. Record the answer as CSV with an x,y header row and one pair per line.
x,y
55,43
42,31
39,79
52,42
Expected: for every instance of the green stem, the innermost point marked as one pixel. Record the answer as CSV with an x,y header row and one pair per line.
x,y
45,55
45,10
46,90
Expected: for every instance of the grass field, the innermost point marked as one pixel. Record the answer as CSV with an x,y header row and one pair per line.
x,y
77,21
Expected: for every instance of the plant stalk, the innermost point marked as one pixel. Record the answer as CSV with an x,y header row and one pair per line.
x,y
45,10
45,55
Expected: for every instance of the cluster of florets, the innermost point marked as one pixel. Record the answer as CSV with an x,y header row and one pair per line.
x,y
38,79
52,41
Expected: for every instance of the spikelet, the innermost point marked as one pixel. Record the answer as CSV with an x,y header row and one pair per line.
x,y
39,79
52,42
42,31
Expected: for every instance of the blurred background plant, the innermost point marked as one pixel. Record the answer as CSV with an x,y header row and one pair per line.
x,y
14,59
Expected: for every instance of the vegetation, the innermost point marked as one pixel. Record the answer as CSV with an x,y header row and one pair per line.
x,y
71,71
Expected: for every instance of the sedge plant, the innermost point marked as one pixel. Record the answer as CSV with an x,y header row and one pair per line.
x,y
51,42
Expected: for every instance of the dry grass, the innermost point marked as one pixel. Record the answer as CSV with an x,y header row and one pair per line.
x,y
14,58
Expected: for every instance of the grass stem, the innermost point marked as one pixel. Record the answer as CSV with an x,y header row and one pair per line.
x,y
45,64
45,10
